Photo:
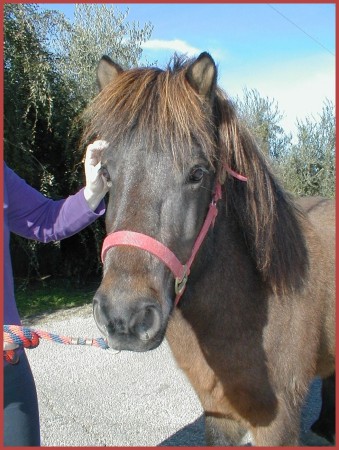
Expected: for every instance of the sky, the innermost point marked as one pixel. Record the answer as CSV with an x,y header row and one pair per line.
x,y
284,51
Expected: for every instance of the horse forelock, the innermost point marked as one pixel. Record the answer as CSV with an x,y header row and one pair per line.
x,y
155,107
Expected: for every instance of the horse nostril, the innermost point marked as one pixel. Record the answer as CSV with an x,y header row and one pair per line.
x,y
99,317
146,323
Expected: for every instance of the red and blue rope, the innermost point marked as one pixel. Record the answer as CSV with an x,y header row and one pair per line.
x,y
29,338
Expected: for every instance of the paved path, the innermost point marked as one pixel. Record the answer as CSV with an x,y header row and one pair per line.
x,y
93,397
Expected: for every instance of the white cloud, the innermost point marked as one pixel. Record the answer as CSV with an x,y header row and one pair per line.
x,y
299,87
175,45
305,96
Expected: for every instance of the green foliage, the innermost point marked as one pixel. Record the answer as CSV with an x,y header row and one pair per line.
x,y
98,29
51,295
37,113
262,116
30,89
309,167
305,165
49,77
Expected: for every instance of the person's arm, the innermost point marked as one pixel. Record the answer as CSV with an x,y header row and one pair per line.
x,y
34,216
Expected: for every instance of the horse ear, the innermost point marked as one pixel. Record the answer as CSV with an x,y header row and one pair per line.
x,y
202,75
107,71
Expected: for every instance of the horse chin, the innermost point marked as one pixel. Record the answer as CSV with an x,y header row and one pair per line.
x,y
134,345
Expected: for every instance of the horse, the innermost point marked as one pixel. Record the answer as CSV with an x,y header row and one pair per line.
x,y
206,249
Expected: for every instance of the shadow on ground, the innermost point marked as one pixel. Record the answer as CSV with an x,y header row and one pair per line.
x,y
192,435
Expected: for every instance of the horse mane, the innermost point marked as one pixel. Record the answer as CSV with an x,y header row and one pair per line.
x,y
160,110
273,225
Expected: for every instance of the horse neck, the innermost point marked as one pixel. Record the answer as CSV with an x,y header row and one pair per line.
x,y
224,276
224,245
229,239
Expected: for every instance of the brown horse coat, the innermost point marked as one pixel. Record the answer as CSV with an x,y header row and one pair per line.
x,y
257,320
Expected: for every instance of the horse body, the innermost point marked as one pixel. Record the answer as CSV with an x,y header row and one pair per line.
x,y
251,357
321,213
255,323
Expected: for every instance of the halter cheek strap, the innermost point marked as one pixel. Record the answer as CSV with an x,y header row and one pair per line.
x,y
180,271
234,174
156,248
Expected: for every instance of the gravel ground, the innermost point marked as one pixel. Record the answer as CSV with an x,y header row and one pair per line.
x,y
93,397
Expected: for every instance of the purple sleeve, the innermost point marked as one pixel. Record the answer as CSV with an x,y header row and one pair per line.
x,y
34,216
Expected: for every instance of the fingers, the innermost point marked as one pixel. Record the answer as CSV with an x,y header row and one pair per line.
x,y
96,184
93,161
94,152
10,346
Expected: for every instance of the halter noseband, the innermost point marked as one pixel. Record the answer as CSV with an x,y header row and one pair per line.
x,y
156,248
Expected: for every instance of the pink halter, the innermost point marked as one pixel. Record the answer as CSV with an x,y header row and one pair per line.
x,y
156,248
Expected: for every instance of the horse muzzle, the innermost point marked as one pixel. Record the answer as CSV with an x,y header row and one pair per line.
x,y
136,327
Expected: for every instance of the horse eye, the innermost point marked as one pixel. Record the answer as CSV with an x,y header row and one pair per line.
x,y
196,174
103,171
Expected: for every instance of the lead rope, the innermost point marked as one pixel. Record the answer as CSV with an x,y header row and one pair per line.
x,y
28,338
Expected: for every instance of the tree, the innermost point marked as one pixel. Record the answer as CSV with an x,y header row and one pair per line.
x,y
305,165
29,90
49,78
98,29
309,167
262,116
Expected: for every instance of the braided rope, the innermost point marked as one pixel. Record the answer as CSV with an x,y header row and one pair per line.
x,y
28,338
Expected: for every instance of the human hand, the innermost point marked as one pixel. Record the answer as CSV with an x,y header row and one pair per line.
x,y
10,346
96,184
10,354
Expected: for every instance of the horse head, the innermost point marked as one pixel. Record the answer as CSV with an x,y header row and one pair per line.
x,y
173,137
162,171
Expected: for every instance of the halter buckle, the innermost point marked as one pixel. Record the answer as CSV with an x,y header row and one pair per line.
x,y
180,283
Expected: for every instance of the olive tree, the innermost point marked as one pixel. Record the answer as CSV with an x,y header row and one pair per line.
x,y
309,167
263,117
97,29
49,77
